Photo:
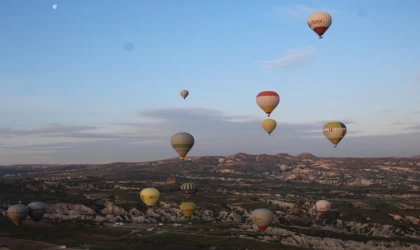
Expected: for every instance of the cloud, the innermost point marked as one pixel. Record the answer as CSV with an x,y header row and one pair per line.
x,y
53,129
216,133
396,123
50,146
73,131
415,127
291,58
298,11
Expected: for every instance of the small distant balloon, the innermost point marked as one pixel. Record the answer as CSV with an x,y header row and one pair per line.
x,y
54,6
129,46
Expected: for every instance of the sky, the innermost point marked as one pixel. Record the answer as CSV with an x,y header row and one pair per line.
x,y
98,81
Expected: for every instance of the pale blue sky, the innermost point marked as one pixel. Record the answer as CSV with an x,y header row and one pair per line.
x,y
68,66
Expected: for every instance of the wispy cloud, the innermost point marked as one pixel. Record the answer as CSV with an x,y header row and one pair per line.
x,y
415,127
216,133
291,58
397,123
52,129
298,11
74,131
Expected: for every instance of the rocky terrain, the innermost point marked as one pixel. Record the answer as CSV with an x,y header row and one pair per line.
x,y
375,201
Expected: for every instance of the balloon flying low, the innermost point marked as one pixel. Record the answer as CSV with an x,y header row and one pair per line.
x,y
319,22
268,101
188,189
184,93
322,206
262,218
187,208
149,196
269,125
335,132
221,161
37,210
182,142
54,6
17,213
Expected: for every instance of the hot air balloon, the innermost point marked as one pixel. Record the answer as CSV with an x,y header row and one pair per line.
x,y
187,208
322,206
335,132
221,161
283,168
182,142
54,6
262,218
184,93
17,213
149,196
269,125
188,189
268,101
319,22
37,210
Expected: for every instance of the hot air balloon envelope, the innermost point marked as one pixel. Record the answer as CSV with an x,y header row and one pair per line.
x,y
268,101
269,125
182,143
184,93
335,132
188,189
17,213
319,22
322,206
262,218
187,208
37,210
149,196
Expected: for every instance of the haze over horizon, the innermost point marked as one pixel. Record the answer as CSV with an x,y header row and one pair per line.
x,y
98,81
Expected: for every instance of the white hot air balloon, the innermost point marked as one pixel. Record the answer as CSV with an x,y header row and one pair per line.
x,y
262,218
54,6
283,168
37,210
319,22
17,213
322,206
221,161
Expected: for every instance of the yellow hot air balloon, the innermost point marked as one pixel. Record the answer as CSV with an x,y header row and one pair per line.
x,y
149,196
269,125
17,213
268,101
335,132
182,143
262,218
184,93
319,22
187,208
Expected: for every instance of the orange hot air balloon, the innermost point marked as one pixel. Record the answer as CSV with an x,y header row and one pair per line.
x,y
268,101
